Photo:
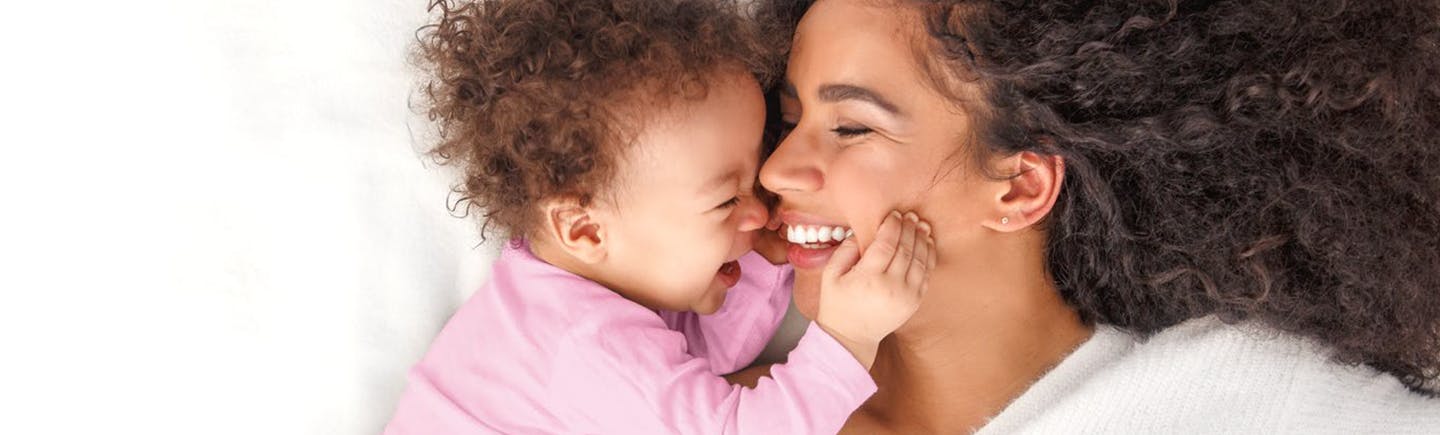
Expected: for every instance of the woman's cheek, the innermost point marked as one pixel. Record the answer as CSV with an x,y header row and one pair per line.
x,y
864,193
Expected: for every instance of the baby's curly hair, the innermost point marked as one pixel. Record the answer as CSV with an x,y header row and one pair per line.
x,y
1276,161
534,99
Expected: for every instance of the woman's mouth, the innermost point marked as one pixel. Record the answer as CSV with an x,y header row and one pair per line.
x,y
812,245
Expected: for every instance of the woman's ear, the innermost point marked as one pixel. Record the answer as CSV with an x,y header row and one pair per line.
x,y
1030,193
575,230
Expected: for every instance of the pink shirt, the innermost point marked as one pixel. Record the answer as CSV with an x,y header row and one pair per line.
x,y
541,350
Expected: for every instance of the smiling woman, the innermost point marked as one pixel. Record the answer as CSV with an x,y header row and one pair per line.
x,y
1180,210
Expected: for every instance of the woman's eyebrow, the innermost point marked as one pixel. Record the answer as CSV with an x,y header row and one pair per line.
x,y
834,93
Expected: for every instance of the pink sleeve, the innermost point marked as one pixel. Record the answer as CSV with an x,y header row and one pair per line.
x,y
730,338
640,380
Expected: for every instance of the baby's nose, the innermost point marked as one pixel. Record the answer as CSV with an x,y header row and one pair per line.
x,y
753,214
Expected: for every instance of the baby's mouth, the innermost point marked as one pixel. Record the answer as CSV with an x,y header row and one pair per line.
x,y
729,273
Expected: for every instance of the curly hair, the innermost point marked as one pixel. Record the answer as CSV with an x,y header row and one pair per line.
x,y
1274,161
534,99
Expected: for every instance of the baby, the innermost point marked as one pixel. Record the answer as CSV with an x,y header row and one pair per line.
x,y
616,143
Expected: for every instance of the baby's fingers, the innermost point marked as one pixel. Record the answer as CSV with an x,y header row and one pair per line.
x,y
881,250
841,261
924,258
905,249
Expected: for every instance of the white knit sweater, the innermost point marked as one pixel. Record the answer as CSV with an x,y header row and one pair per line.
x,y
1207,377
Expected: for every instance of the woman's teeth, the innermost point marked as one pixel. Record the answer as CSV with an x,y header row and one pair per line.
x,y
816,236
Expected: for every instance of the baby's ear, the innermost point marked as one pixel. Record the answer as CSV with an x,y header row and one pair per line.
x,y
575,229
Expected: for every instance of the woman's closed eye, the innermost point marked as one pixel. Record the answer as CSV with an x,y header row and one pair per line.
x,y
845,131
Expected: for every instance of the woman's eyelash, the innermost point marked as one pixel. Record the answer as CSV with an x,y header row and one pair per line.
x,y
851,131
730,203
786,127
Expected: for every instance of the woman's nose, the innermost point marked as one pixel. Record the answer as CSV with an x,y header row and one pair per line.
x,y
793,167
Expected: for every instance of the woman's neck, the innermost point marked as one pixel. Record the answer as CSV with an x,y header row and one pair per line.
x,y
984,335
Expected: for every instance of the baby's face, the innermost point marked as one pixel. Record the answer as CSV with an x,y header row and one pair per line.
x,y
685,202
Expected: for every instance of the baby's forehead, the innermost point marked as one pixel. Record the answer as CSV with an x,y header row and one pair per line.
x,y
684,141
681,155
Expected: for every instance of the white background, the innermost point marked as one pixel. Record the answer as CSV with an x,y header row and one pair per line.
x,y
213,218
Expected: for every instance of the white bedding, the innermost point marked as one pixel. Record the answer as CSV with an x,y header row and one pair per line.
x,y
215,221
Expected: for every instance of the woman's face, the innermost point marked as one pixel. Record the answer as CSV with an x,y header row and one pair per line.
x,y
869,136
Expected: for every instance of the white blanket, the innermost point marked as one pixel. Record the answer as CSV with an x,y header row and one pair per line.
x,y
215,218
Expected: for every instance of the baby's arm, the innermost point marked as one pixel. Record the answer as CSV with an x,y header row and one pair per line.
x,y
733,336
641,380
629,378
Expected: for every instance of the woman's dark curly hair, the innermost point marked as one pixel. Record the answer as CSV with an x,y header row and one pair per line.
x,y
1275,161
533,98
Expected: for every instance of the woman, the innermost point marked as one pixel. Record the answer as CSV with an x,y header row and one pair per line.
x,y
1150,216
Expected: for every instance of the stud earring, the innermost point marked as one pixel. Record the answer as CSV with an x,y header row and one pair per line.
x,y
1004,220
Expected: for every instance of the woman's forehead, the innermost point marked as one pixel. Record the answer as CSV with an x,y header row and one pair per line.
x,y
855,20
854,42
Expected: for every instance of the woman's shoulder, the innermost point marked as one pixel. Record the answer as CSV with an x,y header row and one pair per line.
x,y
1205,375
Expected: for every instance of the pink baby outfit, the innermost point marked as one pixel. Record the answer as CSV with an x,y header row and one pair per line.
x,y
541,350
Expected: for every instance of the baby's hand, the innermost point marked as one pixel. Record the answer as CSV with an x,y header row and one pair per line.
x,y
864,298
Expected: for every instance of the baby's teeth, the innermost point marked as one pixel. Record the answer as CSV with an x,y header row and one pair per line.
x,y
837,234
824,234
